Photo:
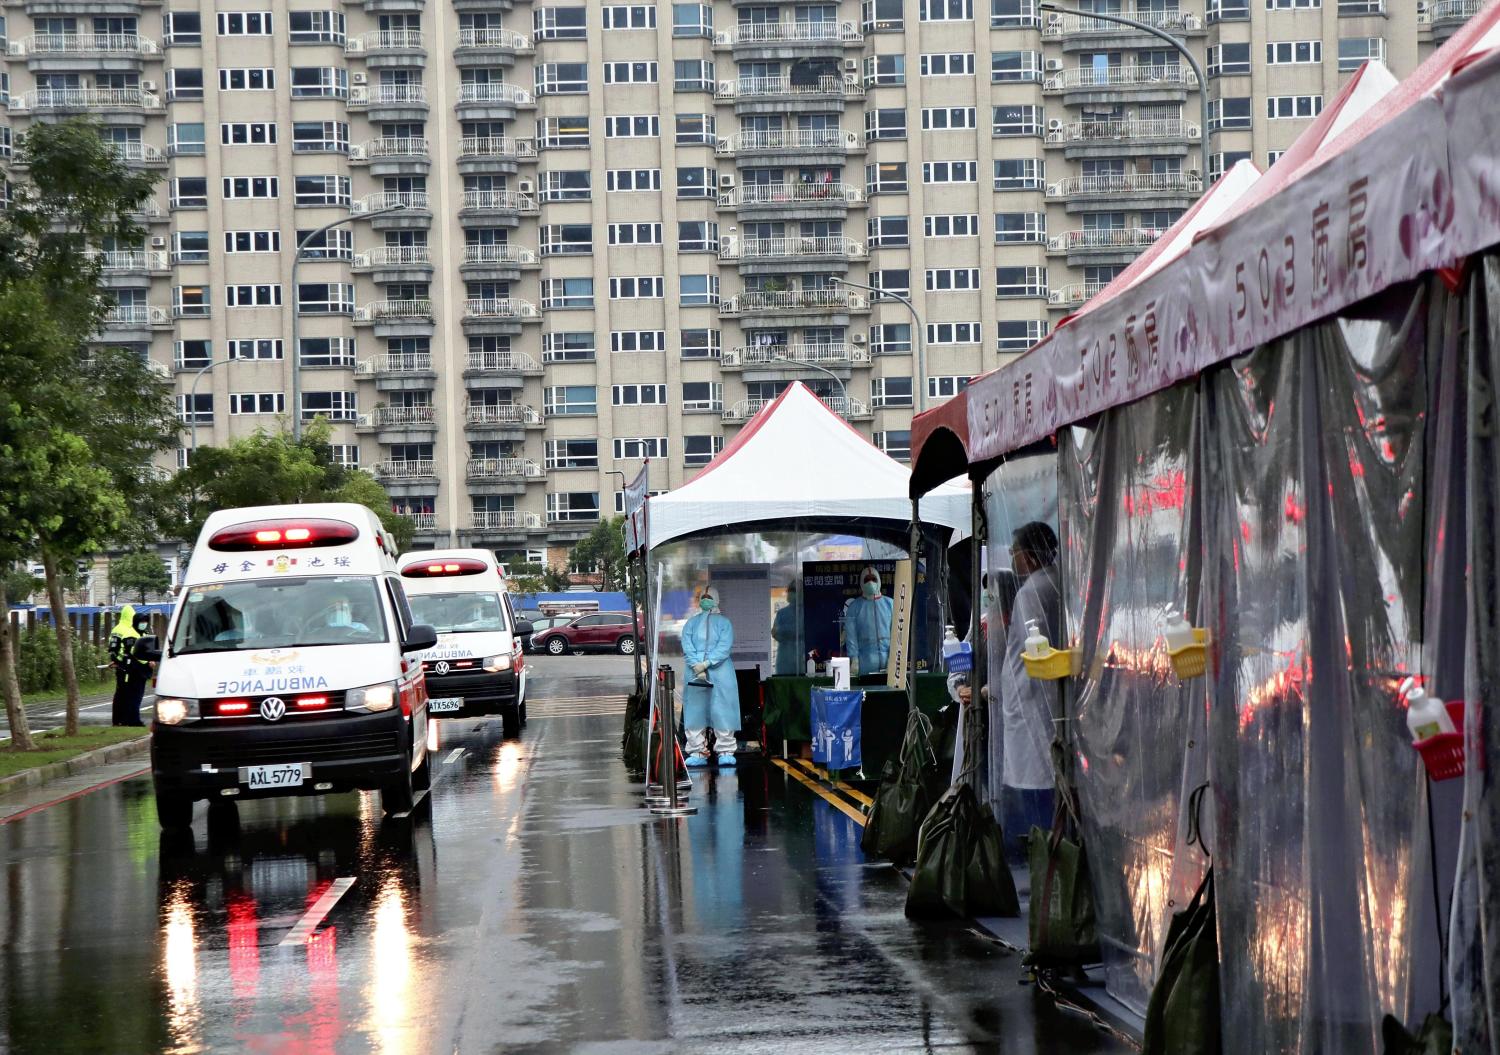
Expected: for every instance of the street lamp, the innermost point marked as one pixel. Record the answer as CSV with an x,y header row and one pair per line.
x,y
296,307
919,383
815,366
193,402
1162,35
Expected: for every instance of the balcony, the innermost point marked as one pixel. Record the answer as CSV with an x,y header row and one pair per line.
x,y
1066,27
394,149
775,355
419,417
389,101
784,89
135,317
59,100
758,195
506,309
505,256
492,40
91,45
1141,190
386,42
1083,139
396,364
422,470
502,415
503,469
394,311
794,142
1446,16
503,521
842,33
395,257
833,247
1122,78
1119,244
491,100
497,362
794,302
413,208
498,201
134,261
1072,296
420,521
845,407
503,147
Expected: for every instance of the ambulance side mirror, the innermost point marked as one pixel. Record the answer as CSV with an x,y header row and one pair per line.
x,y
146,648
524,627
419,638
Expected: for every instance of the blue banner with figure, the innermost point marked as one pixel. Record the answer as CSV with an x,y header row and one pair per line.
x,y
836,727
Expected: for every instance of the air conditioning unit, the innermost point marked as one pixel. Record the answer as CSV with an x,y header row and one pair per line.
x,y
1054,65
148,86
158,242
1054,125
852,65
358,78
726,182
858,338
526,186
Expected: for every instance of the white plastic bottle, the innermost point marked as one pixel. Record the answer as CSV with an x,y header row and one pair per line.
x,y
1036,642
812,665
951,646
1179,634
1426,716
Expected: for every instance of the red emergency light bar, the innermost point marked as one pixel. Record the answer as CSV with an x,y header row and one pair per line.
x,y
233,706
283,534
454,566
311,703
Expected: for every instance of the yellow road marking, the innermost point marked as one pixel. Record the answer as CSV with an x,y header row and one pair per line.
x,y
819,774
818,790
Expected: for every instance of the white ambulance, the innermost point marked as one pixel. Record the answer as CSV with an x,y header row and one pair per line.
x,y
288,667
477,667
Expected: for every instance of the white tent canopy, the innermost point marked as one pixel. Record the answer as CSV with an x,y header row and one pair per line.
x,y
797,459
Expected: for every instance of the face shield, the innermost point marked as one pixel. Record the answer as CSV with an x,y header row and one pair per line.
x,y
869,582
709,601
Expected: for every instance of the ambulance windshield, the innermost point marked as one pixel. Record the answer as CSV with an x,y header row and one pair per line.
x,y
280,613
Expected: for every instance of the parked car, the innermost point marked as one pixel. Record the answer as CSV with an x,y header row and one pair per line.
x,y
542,624
599,632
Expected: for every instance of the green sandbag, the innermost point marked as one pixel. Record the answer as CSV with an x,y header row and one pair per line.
x,y
869,839
1182,1016
960,868
901,804
991,889
1062,928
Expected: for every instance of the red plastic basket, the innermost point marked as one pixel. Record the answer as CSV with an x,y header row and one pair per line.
x,y
1443,754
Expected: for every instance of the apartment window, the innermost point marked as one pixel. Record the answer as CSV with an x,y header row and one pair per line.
x,y
1355,52
1273,156
189,247
942,118
247,133
695,130
1013,228
1284,107
951,279
697,183
562,78
890,392
885,71
1218,164
567,293
335,406
632,179
698,289
701,344
702,395
954,225
568,347
252,241
1011,121
1228,11
189,192
885,124
256,403
572,454
191,302
946,386
896,444
888,177
893,339
950,171
1229,113
947,64
185,139
635,234
572,505
954,333
245,23
630,73
892,280
1294,52
640,126
945,10
1288,5
267,349
184,83
1017,335
182,27
322,190
196,408
320,82
188,355
634,16
251,187
1015,66
555,133
560,23
693,75
247,80
639,395
889,232
1019,174
638,341
1020,282
320,137
567,185
335,244
325,298
697,236
692,20
634,448
1358,8
570,400
1013,14
637,287
1229,60
564,239
315,27
700,450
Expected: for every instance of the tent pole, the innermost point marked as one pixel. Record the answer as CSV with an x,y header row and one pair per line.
x,y
636,619
977,710
914,545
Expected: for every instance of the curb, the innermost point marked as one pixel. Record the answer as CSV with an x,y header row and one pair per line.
x,y
102,756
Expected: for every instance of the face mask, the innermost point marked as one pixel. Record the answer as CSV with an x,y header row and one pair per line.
x,y
872,589
708,604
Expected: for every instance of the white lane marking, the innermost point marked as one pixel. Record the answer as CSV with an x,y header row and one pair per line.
x,y
454,755
303,930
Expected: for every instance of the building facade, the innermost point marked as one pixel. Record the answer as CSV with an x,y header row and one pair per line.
x,y
577,236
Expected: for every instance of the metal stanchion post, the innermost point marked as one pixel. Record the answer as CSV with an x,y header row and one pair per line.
x,y
671,804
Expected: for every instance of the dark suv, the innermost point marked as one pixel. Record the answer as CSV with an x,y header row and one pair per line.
x,y
600,632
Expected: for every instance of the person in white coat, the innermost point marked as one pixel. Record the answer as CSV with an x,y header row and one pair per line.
x,y
867,624
707,640
1028,707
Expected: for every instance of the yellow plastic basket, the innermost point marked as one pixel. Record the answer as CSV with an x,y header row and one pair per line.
x,y
1055,665
1191,661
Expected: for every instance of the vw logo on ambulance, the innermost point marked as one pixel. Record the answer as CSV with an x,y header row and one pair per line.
x,y
273,708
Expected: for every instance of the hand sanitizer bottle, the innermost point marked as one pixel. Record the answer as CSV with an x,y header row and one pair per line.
x,y
1036,641
812,664
951,646
1426,716
1179,634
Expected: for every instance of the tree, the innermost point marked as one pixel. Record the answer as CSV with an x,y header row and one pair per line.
x,y
19,584
139,573
604,547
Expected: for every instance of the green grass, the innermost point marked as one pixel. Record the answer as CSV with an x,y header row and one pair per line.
x,y
53,746
85,688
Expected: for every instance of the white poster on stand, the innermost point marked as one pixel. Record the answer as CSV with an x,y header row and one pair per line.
x,y
745,597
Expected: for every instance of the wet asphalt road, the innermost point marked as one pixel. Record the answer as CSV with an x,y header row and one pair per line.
x,y
530,906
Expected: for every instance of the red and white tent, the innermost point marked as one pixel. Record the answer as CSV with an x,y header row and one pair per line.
x,y
799,461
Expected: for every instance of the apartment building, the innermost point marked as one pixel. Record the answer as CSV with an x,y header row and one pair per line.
x,y
578,235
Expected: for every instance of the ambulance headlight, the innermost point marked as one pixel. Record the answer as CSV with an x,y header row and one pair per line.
x,y
495,664
371,699
173,710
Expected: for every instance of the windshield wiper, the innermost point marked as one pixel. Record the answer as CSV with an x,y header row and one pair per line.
x,y
207,649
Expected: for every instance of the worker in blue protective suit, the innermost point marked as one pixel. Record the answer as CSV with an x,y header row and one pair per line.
x,y
867,624
707,639
787,635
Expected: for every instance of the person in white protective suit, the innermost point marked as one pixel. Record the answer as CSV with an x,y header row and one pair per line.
x,y
1028,706
867,624
707,639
